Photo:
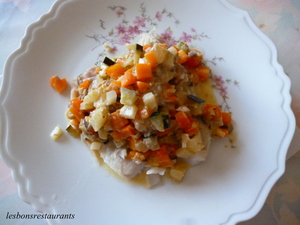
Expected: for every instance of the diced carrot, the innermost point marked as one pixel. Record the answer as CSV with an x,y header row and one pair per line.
x,y
143,71
58,84
117,121
212,112
142,87
226,117
193,129
77,113
162,156
183,120
85,84
117,135
163,45
146,47
115,71
221,132
127,79
183,56
151,58
128,130
75,102
171,98
115,85
203,73
133,154
194,61
144,112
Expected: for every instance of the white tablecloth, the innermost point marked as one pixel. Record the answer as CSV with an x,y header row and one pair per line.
x,y
278,19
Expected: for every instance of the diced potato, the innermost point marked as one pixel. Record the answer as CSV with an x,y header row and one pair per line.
x,y
95,145
178,171
98,118
184,153
160,53
128,97
150,101
128,111
173,50
56,133
89,99
194,144
111,97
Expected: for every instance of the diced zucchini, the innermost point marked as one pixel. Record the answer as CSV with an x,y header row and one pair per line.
x,y
72,131
158,122
128,97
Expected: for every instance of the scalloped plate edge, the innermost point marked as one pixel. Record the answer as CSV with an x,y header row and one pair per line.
x,y
16,169
286,139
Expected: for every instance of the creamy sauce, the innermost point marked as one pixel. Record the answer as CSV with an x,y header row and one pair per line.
x,y
205,91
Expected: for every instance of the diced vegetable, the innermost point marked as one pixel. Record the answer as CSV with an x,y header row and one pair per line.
x,y
128,97
212,112
128,111
151,59
111,97
150,101
58,84
143,71
202,73
161,157
85,84
226,118
98,118
118,121
158,122
56,133
182,56
73,132
127,79
115,71
196,99
179,170
183,120
142,87
108,61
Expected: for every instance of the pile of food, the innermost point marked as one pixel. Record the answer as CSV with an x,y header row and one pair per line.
x,y
148,113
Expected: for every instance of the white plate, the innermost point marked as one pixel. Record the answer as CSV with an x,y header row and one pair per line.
x,y
63,177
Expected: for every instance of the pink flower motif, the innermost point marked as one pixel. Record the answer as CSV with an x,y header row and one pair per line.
x,y
218,80
119,13
166,35
133,30
167,38
158,16
186,37
121,29
139,21
193,30
223,91
124,39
